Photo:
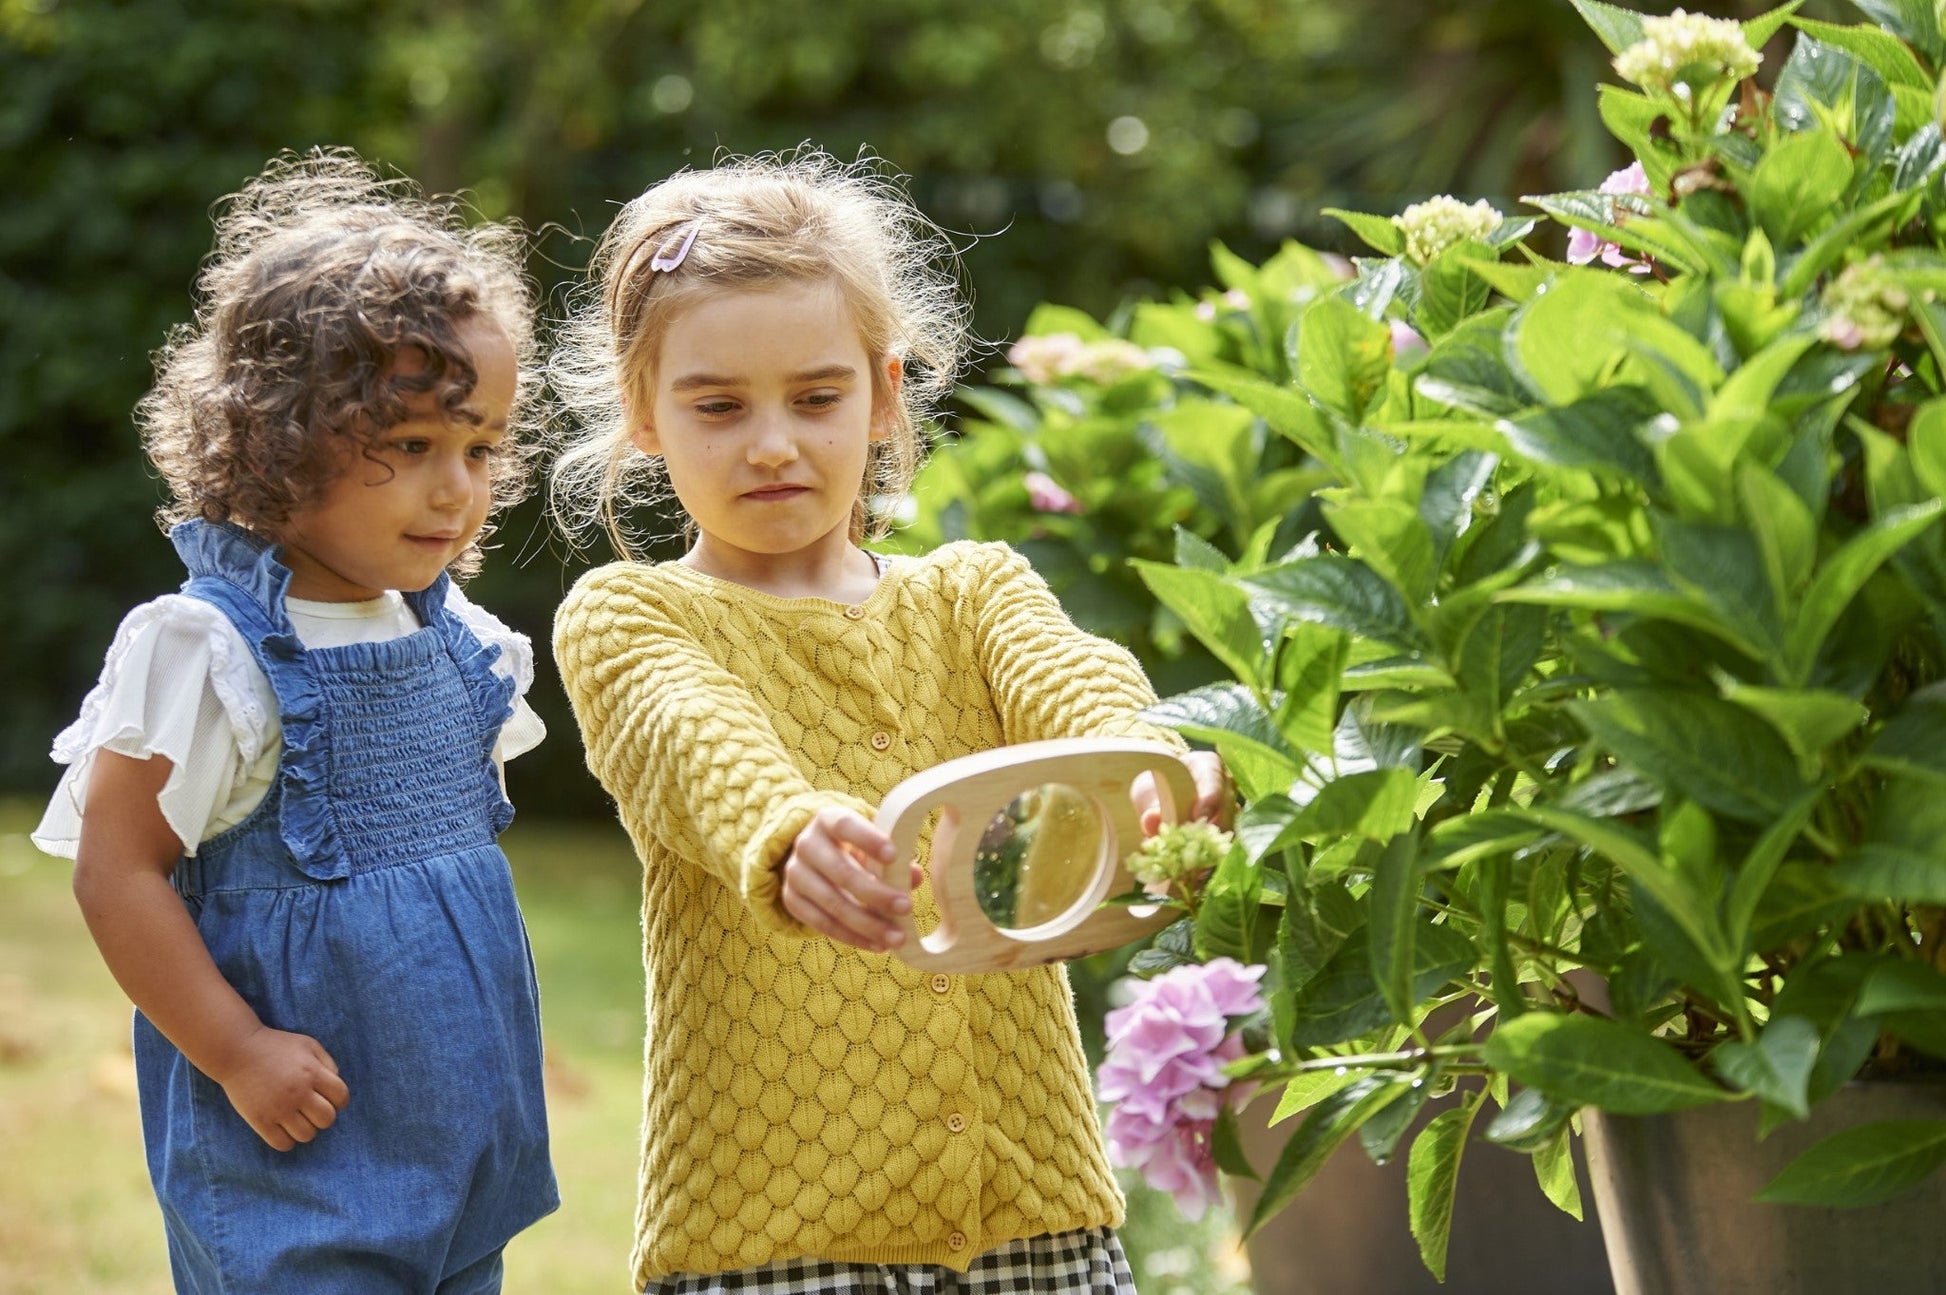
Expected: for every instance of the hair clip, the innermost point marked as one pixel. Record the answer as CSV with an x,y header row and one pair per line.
x,y
664,260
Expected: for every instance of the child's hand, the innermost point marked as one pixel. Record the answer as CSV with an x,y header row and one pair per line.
x,y
285,1086
1213,800
831,882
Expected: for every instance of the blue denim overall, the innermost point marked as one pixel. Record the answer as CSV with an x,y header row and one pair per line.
x,y
367,904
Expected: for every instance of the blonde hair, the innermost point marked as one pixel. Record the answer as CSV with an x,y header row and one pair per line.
x,y
798,217
322,269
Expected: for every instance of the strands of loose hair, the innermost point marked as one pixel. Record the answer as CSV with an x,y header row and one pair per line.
x,y
748,222
322,269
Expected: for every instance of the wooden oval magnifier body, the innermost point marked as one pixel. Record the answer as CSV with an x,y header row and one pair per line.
x,y
1056,816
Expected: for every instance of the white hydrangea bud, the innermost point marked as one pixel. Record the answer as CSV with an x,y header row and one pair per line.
x,y
1436,224
1178,852
1685,52
1866,308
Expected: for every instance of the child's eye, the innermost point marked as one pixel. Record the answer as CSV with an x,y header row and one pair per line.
x,y
411,445
483,451
823,399
715,408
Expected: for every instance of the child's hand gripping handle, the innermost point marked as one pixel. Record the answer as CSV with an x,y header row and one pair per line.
x,y
969,792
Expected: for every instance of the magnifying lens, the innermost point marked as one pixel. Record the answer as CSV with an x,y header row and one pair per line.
x,y
1028,842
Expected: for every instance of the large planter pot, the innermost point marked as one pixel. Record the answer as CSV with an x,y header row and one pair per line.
x,y
1673,1192
1347,1232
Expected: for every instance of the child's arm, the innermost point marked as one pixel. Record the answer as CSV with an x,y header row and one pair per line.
x,y
285,1086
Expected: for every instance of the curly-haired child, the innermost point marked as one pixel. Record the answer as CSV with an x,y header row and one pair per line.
x,y
818,1116
284,796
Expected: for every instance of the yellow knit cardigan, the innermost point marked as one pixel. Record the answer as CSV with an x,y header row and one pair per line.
x,y
801,1097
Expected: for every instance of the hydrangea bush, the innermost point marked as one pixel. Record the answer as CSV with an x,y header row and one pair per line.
x,y
1582,625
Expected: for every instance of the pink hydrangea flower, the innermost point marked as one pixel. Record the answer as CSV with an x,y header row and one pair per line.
x,y
1585,245
1046,495
1406,340
1164,1073
1046,359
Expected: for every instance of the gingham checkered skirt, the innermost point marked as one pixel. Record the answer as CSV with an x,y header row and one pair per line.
x,y
1089,1261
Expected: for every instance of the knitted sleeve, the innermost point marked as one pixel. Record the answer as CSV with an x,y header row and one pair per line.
x,y
1048,677
680,743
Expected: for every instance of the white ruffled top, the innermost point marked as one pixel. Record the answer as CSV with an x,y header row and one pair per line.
x,y
180,682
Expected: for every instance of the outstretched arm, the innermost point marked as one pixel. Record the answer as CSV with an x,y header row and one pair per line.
x,y
285,1086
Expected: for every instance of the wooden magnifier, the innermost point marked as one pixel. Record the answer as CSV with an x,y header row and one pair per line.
x,y
1029,841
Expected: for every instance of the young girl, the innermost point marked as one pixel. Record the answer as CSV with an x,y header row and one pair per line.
x,y
283,796
818,1116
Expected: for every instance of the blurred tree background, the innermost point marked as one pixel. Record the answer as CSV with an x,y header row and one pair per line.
x,y
1084,151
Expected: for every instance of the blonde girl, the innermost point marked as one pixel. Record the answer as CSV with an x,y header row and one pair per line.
x,y
283,796
762,340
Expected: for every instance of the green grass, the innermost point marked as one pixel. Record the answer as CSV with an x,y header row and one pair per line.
x,y
75,1209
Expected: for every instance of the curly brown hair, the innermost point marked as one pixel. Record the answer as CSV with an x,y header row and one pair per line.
x,y
321,271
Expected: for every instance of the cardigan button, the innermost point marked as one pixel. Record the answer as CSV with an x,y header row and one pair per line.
x,y
941,982
855,613
881,740
956,1241
956,1123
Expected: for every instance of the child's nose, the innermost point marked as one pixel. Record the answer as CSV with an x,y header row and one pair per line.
x,y
773,446
452,483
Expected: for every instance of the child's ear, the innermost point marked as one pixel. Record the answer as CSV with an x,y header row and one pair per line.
x,y
885,414
642,436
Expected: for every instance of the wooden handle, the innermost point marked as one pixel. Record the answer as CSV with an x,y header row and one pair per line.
x,y
970,791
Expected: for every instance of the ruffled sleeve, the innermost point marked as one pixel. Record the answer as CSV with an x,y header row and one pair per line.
x,y
178,682
523,730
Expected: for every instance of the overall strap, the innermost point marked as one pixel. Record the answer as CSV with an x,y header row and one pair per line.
x,y
240,575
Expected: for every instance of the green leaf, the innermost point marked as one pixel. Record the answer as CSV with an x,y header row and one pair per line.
x,y
1394,921
1450,291
1926,442
1343,1000
1875,47
1215,610
1284,410
1336,591
1877,871
1374,804
1379,232
1343,356
1916,22
1795,186
1308,1089
1048,318
1765,25
1554,1171
1844,234
1432,1181
1902,986
1380,1135
1564,343
1390,537
1310,666
1174,946
1230,718
1777,1067
1617,27
1843,574
1698,745
1808,719
1528,1120
1597,431
1227,913
1226,1146
1639,588
1594,1061
1786,532
1910,743
1865,1165
1330,1122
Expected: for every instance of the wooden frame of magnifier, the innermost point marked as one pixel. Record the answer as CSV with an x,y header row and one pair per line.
x,y
970,791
